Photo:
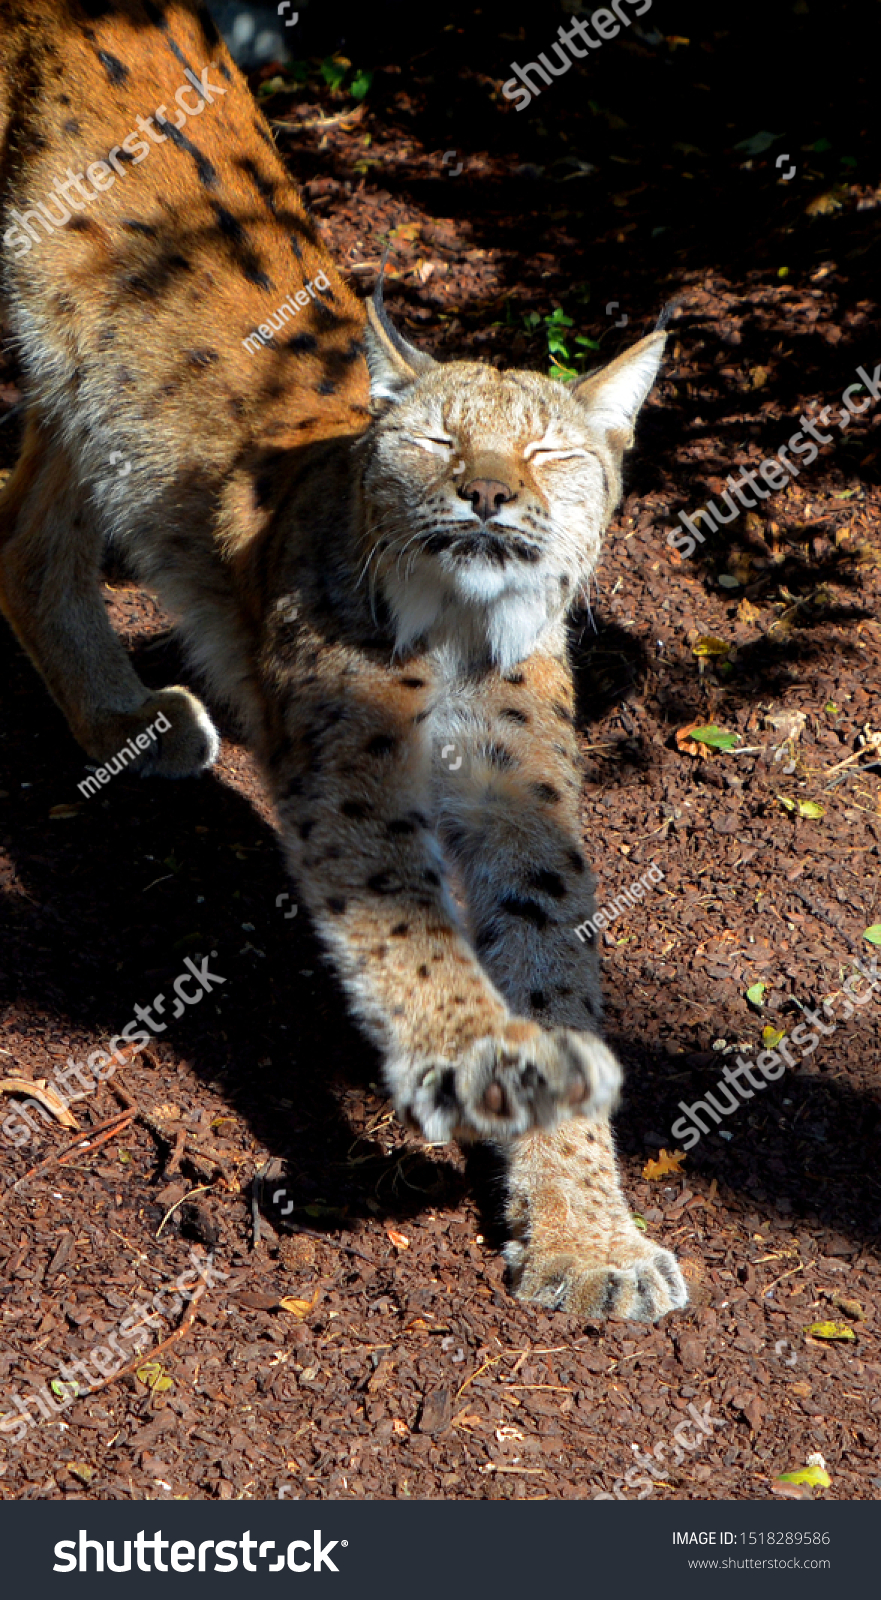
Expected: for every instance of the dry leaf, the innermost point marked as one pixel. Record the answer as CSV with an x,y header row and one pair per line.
x,y
166,1113
830,1330
851,1308
399,1427
399,1240
664,1164
709,645
81,1470
46,1096
298,1308
814,1475
689,746
155,1377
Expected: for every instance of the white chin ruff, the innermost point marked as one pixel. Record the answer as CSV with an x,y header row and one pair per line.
x,y
476,610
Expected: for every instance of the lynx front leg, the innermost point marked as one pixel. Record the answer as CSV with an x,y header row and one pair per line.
x,y
50,556
353,795
513,820
572,1242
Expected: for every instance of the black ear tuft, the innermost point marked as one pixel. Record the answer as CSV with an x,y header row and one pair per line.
x,y
666,316
393,363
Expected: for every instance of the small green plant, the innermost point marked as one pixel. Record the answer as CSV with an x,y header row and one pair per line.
x,y
559,341
333,70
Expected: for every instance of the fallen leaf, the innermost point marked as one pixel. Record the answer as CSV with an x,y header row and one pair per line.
x,y
298,1308
258,1302
787,804
851,1308
61,1386
665,1163
755,994
639,1222
437,1411
716,738
830,1330
754,1411
320,1212
154,1376
823,205
399,1427
81,1470
399,1240
817,1477
166,1112
687,745
873,934
772,1036
810,808
46,1096
709,645
758,143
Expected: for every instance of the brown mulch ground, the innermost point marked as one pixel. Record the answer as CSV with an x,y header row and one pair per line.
x,y
401,1367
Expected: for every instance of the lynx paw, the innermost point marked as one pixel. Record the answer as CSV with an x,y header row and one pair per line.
x,y
525,1077
178,738
643,1283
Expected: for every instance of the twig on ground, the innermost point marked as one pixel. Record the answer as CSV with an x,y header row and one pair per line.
x,y
150,1355
202,1189
81,1146
345,118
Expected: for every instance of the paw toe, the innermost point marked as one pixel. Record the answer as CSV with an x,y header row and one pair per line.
x,y
642,1291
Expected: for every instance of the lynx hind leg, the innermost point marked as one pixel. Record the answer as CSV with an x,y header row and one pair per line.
x,y
50,554
572,1243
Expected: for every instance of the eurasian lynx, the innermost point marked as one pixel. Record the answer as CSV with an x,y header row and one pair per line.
x,y
371,561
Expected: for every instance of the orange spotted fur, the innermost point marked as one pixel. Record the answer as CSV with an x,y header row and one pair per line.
x,y
372,562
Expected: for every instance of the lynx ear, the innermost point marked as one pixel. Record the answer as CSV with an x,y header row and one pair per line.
x,y
612,397
393,364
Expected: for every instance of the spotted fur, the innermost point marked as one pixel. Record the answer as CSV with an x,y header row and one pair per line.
x,y
372,562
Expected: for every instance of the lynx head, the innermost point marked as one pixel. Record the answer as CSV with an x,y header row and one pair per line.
x,y
487,493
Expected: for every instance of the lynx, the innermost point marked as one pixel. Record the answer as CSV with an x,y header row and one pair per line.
x,y
372,557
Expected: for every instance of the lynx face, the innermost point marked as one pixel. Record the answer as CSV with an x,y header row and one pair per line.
x,y
488,492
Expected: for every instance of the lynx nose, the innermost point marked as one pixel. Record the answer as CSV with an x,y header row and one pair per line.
x,y
487,496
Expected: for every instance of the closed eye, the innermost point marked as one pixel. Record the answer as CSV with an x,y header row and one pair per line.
x,y
544,455
435,447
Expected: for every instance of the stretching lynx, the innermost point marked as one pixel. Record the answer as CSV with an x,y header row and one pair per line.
x,y
372,561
